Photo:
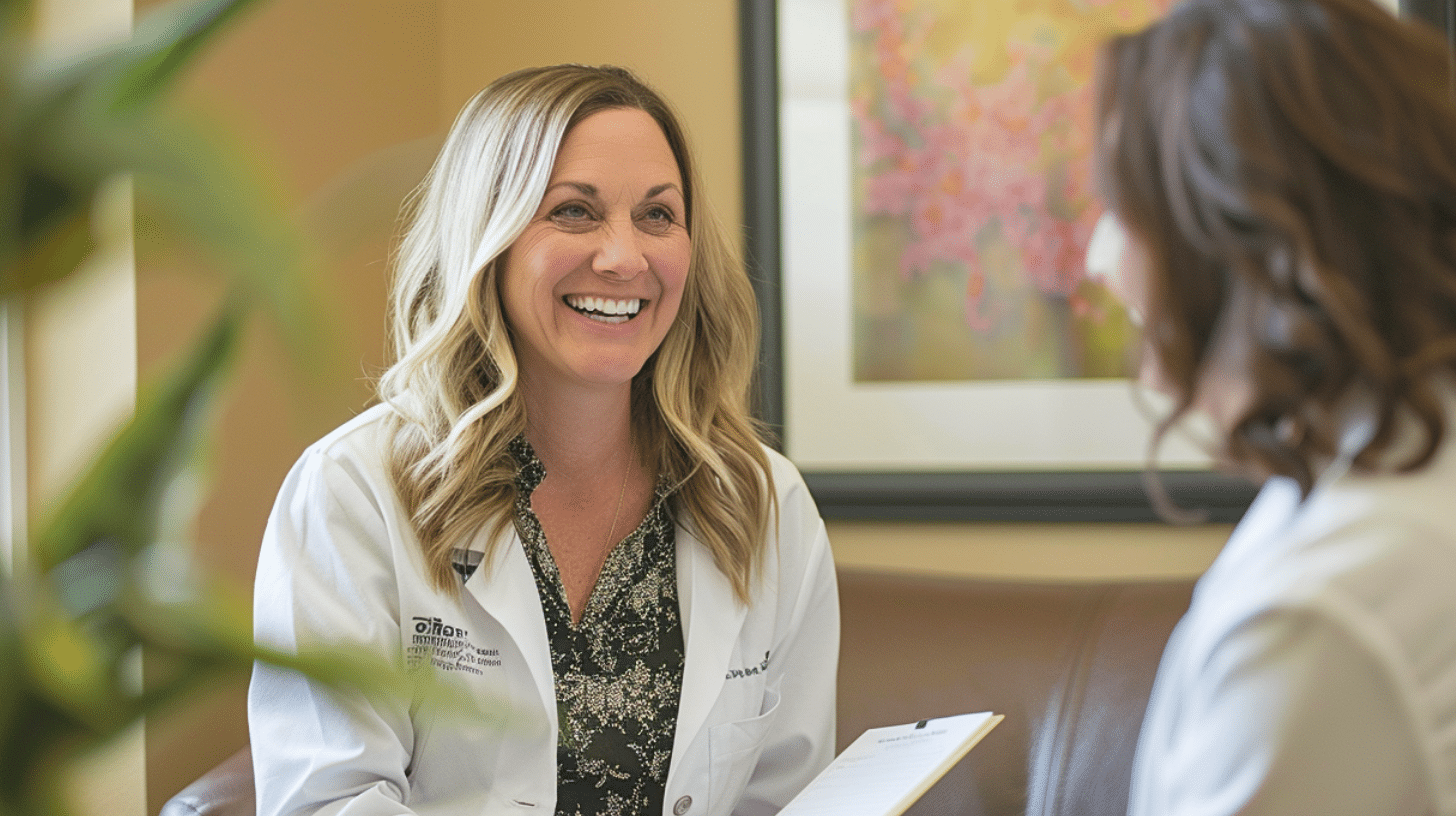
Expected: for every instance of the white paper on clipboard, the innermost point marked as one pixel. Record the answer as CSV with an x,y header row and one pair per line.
x,y
885,770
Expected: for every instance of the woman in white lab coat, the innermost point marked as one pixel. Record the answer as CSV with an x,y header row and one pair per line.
x,y
560,501
1285,173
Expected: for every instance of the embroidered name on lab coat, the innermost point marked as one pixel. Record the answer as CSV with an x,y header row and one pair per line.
x,y
447,648
748,671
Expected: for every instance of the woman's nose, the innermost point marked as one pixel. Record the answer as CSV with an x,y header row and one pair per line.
x,y
620,254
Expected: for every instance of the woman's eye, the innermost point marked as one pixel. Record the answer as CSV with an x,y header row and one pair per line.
x,y
658,218
571,212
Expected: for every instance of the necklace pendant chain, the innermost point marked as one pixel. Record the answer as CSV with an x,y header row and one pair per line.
x,y
621,494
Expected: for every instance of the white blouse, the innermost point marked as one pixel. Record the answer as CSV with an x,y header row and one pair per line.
x,y
1315,671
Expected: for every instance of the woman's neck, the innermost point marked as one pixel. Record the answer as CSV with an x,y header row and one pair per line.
x,y
579,431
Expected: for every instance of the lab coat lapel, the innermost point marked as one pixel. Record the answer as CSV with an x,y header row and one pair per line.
x,y
712,618
507,591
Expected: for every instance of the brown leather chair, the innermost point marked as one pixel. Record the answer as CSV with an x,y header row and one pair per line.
x,y
1069,665
226,790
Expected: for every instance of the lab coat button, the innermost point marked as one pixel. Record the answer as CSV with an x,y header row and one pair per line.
x,y
682,805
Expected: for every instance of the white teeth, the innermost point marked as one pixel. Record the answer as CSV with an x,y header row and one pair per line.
x,y
608,307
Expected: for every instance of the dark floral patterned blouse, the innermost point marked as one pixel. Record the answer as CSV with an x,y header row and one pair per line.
x,y
619,671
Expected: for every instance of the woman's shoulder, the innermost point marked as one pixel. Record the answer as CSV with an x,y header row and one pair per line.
x,y
782,469
337,506
1369,589
360,434
1355,551
1367,530
1370,558
791,491
1395,494
801,536
356,450
788,481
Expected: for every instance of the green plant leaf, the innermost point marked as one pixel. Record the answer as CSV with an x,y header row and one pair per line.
x,y
124,79
77,674
70,130
165,43
111,569
10,673
48,252
117,502
15,17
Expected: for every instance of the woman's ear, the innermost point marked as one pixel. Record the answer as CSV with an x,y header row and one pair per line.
x,y
1106,259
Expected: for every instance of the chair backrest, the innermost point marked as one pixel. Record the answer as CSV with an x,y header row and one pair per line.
x,y
1070,665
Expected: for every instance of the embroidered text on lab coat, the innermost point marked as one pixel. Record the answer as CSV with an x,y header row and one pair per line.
x,y
447,648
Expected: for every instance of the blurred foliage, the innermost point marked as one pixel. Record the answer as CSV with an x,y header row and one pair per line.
x,y
112,570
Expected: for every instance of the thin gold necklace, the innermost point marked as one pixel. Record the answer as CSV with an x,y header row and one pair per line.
x,y
621,494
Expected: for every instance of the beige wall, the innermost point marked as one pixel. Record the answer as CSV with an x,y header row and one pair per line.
x,y
324,85
1021,552
687,50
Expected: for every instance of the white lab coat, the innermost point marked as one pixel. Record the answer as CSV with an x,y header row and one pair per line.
x,y
339,565
1315,671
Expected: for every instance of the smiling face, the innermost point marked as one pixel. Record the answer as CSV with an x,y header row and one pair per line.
x,y
593,284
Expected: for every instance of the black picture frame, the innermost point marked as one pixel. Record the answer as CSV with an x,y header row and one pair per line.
x,y
1042,496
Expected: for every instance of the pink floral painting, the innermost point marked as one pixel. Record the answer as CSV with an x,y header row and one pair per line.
x,y
972,187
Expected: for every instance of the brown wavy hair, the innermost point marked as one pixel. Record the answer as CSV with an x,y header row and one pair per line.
x,y
1289,166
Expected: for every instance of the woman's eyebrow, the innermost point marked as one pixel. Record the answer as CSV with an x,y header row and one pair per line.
x,y
588,190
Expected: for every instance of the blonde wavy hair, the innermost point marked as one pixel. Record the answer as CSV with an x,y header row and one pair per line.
x,y
453,383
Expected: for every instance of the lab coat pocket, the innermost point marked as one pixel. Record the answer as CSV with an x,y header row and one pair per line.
x,y
733,751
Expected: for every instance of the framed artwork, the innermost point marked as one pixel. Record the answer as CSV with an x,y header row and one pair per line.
x,y
919,204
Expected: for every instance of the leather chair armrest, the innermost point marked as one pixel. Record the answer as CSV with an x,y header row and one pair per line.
x,y
226,790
